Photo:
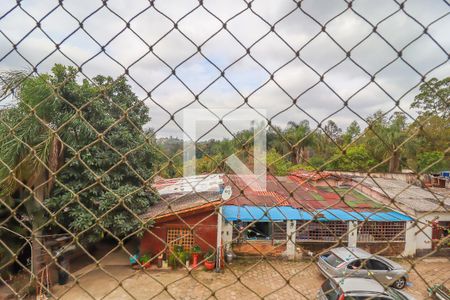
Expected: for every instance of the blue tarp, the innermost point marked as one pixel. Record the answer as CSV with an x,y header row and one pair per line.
x,y
282,213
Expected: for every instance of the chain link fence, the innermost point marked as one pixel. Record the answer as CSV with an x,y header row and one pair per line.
x,y
94,203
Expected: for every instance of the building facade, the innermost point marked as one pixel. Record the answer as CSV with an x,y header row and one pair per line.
x,y
294,216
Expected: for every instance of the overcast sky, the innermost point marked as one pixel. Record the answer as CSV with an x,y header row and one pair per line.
x,y
297,30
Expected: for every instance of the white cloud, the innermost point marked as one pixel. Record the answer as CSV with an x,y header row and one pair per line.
x,y
154,27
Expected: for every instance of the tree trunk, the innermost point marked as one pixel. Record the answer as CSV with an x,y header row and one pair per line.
x,y
37,216
394,162
36,253
303,154
294,155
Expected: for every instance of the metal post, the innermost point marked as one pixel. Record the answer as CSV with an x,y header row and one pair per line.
x,y
219,240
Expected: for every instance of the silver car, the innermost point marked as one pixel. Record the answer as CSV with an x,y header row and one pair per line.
x,y
355,262
358,289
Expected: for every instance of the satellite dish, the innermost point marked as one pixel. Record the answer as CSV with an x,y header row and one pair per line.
x,y
226,194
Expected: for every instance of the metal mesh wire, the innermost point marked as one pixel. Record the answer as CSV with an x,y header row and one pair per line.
x,y
80,153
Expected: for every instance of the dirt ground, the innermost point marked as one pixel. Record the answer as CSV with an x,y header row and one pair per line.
x,y
248,279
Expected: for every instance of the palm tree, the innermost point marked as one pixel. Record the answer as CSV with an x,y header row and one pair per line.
x,y
299,137
385,138
30,149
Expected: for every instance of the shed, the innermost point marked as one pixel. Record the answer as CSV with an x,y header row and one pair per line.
x,y
429,208
185,215
289,215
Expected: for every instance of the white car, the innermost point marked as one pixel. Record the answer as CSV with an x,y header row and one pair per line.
x,y
359,289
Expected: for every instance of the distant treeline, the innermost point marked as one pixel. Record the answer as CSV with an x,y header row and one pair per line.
x,y
389,142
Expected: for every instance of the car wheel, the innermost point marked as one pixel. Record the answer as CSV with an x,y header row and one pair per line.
x,y
400,283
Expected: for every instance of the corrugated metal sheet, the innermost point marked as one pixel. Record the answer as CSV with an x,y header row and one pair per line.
x,y
390,216
249,213
290,191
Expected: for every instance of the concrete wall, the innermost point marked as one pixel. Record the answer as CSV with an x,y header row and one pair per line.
x,y
291,233
352,233
410,239
423,229
387,249
259,248
317,247
406,177
227,235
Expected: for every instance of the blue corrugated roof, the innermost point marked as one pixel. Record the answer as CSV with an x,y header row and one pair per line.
x,y
262,213
249,213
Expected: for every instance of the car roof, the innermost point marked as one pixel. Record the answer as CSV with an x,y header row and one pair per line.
x,y
347,253
355,284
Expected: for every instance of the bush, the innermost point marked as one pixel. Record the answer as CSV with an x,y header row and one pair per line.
x,y
178,257
435,158
210,256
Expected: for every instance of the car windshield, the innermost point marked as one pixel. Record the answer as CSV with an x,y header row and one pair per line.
x,y
333,260
330,290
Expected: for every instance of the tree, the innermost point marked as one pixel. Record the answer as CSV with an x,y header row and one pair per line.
x,y
433,161
30,150
384,138
356,158
277,164
430,135
333,131
298,137
326,143
352,131
77,151
434,98
109,160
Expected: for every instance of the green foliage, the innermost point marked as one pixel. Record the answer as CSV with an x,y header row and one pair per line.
x,y
434,98
384,139
196,249
298,137
386,143
278,165
144,258
352,131
210,164
315,162
387,139
178,257
302,167
108,158
29,149
356,158
434,161
210,256
102,157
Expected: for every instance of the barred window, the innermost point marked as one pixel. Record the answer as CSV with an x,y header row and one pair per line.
x,y
381,231
279,231
259,231
322,231
180,236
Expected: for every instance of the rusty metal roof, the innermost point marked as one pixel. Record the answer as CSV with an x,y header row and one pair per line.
x,y
310,176
179,194
292,191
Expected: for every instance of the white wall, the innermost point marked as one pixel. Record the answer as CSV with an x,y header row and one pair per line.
x,y
227,235
423,230
352,233
291,231
410,239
